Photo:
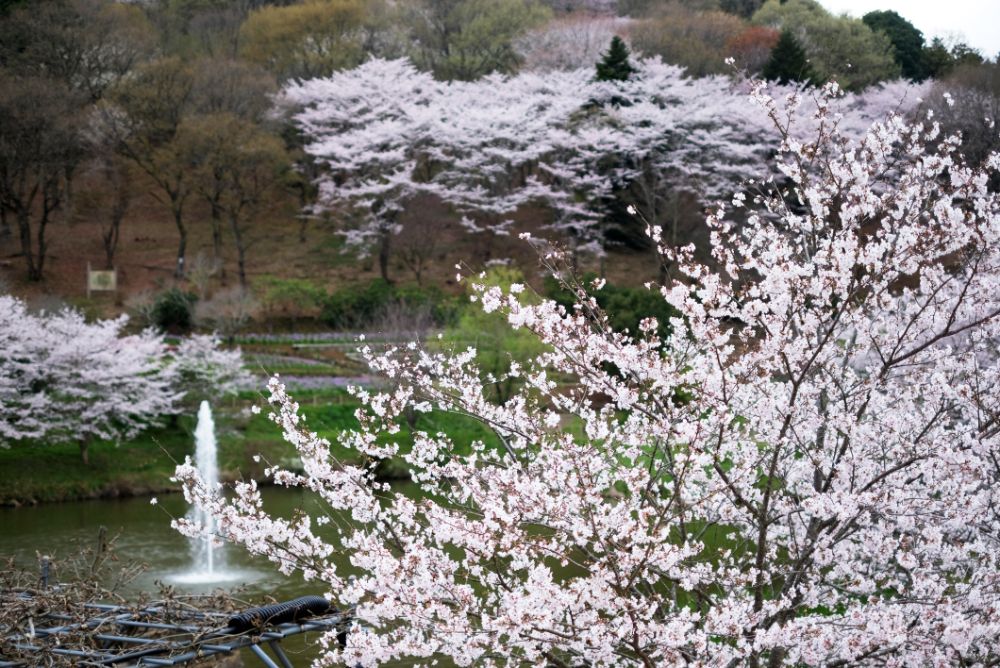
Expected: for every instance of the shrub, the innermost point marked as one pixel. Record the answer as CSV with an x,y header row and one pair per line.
x,y
355,307
624,307
173,311
291,297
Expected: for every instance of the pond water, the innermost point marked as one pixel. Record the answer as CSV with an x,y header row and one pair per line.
x,y
59,530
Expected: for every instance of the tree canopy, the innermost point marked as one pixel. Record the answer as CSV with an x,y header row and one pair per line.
x,y
907,42
838,47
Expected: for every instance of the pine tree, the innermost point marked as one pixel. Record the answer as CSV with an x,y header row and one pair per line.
x,y
615,66
788,62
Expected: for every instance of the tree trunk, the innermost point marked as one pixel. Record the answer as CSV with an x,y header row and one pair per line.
x,y
84,452
111,236
178,210
5,230
27,246
383,255
241,249
216,234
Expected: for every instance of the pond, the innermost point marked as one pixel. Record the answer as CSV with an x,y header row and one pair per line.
x,y
60,529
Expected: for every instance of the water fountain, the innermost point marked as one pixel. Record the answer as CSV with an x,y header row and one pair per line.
x,y
206,458
208,558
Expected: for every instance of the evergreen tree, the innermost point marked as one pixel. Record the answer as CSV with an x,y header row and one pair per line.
x,y
907,42
615,65
937,60
788,61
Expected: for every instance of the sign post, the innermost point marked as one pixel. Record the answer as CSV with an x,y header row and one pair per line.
x,y
99,280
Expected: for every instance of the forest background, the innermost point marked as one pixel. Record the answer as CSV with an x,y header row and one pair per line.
x,y
113,116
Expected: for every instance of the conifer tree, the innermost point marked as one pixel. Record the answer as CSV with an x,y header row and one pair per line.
x,y
615,65
788,61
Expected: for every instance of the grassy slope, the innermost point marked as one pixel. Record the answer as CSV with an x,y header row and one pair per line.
x,y
44,473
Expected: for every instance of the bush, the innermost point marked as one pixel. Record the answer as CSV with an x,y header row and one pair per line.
x,y
625,307
290,297
354,308
173,311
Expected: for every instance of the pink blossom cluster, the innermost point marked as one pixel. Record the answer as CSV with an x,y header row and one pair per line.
x,y
386,132
63,379
805,472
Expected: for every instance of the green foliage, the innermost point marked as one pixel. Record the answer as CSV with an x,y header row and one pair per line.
x,y
907,42
356,308
939,61
698,41
838,47
466,39
788,62
363,307
625,307
497,344
294,296
173,311
310,39
615,65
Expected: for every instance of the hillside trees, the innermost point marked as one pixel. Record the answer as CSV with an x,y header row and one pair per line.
x,y
236,166
145,115
839,48
695,40
58,57
142,119
788,62
110,202
466,39
40,147
907,42
88,45
752,48
802,473
305,40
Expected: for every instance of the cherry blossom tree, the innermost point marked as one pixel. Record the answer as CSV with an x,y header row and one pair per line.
x,y
385,133
204,369
64,380
22,411
367,126
803,472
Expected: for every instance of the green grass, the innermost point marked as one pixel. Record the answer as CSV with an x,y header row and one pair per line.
x,y
36,473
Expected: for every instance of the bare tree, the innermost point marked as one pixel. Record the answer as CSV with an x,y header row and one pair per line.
x,y
236,164
39,146
142,120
